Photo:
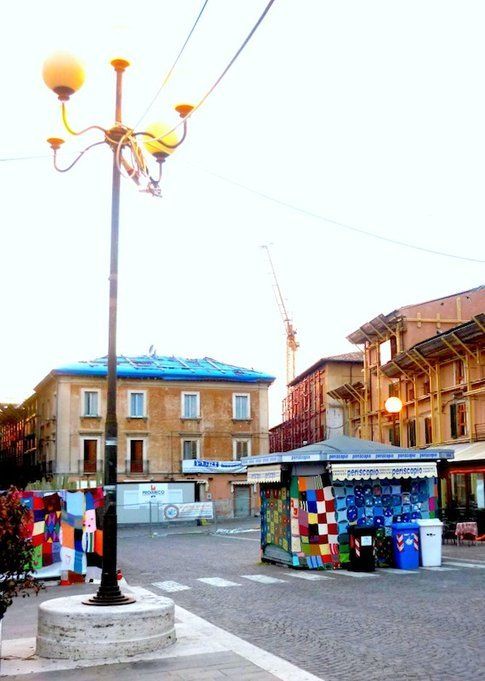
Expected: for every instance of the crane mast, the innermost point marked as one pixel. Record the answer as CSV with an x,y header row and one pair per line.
x,y
292,344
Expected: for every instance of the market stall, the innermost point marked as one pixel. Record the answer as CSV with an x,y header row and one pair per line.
x,y
311,496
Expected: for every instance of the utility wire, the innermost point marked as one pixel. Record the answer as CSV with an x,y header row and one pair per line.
x,y
351,228
22,158
170,71
245,42
213,87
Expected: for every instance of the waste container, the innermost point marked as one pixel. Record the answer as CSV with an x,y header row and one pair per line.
x,y
405,545
430,533
361,544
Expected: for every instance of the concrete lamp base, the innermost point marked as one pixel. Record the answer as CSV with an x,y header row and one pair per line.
x,y
68,629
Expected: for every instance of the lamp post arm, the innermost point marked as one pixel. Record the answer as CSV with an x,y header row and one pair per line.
x,y
73,132
64,170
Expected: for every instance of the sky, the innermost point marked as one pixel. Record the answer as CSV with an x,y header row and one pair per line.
x,y
368,114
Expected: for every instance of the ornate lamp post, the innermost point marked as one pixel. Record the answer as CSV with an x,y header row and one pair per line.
x,y
64,74
393,406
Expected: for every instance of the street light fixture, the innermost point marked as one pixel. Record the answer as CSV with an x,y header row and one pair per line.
x,y
393,406
64,74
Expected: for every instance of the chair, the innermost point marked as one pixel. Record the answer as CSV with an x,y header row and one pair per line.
x,y
449,530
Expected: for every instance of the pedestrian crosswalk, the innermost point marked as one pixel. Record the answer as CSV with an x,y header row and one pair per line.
x,y
217,581
283,578
263,579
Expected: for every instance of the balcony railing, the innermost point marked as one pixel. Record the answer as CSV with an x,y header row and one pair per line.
x,y
90,467
137,467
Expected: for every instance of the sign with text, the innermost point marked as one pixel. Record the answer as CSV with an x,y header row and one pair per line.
x,y
195,511
206,466
158,492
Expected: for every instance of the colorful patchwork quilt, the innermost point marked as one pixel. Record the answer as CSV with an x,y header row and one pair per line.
x,y
66,529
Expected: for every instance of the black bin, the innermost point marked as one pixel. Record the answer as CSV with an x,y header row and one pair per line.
x,y
362,554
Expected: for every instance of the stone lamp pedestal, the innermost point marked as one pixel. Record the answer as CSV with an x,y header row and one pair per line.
x,y
68,629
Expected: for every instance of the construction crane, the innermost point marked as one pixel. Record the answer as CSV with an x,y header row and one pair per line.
x,y
291,343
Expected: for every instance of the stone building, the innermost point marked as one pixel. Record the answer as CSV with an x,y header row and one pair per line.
x,y
170,411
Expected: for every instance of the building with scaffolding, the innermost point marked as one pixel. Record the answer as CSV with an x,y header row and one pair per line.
x,y
432,357
309,413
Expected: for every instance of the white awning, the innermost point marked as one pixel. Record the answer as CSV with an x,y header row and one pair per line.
x,y
264,474
468,451
383,471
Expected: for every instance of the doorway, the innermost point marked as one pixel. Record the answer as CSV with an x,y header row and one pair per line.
x,y
242,501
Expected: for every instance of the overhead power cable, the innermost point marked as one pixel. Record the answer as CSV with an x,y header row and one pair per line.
x,y
213,87
236,55
343,225
22,158
171,69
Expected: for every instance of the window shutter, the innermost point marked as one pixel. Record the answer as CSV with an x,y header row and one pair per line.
x,y
453,424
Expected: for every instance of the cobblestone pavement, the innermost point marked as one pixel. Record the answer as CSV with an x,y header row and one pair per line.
x,y
423,626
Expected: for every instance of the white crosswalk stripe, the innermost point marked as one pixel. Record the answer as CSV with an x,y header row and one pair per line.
x,y
437,568
358,575
170,586
466,565
397,571
217,581
311,576
263,579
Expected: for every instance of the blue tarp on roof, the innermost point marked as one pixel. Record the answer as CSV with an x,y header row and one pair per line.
x,y
167,369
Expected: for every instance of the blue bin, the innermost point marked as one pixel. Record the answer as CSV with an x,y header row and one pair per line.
x,y
405,545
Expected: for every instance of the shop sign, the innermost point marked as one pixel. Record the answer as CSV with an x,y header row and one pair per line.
x,y
206,466
158,492
384,471
264,474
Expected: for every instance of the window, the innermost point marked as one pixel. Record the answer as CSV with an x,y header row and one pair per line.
x,y
459,372
394,389
136,401
411,428
241,447
409,391
136,456
240,407
91,403
394,434
426,385
90,450
428,430
190,405
458,420
384,352
190,449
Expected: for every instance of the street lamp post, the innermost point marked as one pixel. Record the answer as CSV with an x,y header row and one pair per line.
x,y
393,406
64,74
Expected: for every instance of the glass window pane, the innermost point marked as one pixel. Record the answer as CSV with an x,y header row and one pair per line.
x,y
190,449
136,404
241,406
190,406
241,448
90,403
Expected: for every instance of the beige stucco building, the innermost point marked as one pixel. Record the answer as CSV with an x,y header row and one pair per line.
x,y
169,410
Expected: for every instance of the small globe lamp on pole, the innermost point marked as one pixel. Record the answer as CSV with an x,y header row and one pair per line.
x,y
64,74
393,406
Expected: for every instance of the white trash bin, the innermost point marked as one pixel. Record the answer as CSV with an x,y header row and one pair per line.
x,y
430,533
